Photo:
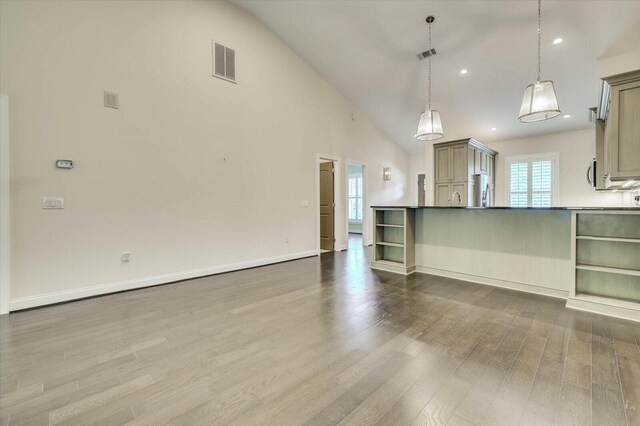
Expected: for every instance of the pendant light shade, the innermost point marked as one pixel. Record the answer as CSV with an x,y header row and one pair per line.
x,y
539,102
430,126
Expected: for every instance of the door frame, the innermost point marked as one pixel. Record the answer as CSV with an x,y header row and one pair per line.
x,y
5,221
366,213
338,213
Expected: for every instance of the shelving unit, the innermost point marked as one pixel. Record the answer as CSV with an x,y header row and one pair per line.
x,y
394,248
606,256
620,240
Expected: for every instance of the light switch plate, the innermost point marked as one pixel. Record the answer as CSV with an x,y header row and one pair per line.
x,y
64,164
52,203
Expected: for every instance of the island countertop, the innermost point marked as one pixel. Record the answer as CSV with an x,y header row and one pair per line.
x,y
510,208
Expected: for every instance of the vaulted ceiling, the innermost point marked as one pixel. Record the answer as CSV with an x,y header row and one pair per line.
x,y
368,50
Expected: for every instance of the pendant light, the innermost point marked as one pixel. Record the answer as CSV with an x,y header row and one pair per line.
x,y
430,126
539,102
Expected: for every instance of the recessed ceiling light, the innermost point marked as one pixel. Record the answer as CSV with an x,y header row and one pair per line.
x,y
493,129
566,116
464,71
558,40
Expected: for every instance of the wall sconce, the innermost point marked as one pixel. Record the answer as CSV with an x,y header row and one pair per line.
x,y
386,173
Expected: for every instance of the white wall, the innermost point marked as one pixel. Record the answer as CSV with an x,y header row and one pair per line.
x,y
576,149
619,64
192,173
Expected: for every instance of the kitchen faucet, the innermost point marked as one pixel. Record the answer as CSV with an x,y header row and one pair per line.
x,y
453,196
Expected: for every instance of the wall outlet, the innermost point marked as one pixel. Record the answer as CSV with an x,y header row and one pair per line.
x,y
286,240
52,203
305,203
126,257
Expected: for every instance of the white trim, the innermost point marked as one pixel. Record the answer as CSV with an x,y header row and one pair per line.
x,y
64,296
574,251
382,265
605,306
512,285
5,212
555,162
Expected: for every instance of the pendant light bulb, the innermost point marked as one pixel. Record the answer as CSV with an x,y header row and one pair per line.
x,y
540,102
430,125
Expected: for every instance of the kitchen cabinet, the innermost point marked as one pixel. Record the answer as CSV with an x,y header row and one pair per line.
x,y
452,163
459,158
460,188
484,162
455,164
622,129
442,160
443,194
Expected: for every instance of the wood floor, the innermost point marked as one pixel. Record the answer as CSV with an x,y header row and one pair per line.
x,y
319,341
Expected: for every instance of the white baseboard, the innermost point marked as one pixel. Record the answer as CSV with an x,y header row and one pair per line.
x,y
65,296
512,285
387,266
604,306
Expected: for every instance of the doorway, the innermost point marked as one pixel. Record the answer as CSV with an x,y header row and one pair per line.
x,y
422,189
327,206
356,208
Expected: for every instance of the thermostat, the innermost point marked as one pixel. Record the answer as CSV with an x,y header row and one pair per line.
x,y
64,164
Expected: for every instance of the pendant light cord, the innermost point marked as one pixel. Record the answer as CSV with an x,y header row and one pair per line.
x,y
430,65
539,12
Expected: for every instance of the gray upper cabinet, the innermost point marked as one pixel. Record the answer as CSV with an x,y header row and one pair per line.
x,y
459,159
455,163
622,129
443,166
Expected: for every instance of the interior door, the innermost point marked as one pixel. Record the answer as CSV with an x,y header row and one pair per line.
x,y
326,206
421,189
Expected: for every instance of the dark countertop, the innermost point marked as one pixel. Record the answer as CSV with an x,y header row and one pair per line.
x,y
511,208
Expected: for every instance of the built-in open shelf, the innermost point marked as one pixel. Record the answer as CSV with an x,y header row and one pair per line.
x,y
606,256
386,243
614,239
390,263
394,240
608,270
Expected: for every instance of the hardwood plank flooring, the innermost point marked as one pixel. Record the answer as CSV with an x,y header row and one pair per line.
x,y
318,341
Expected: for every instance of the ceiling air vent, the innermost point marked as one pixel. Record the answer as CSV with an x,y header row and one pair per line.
x,y
426,54
111,100
224,62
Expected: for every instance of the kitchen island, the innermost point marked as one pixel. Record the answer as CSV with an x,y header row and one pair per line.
x,y
589,256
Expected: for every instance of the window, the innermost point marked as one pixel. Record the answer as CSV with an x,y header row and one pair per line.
x,y
531,181
355,198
